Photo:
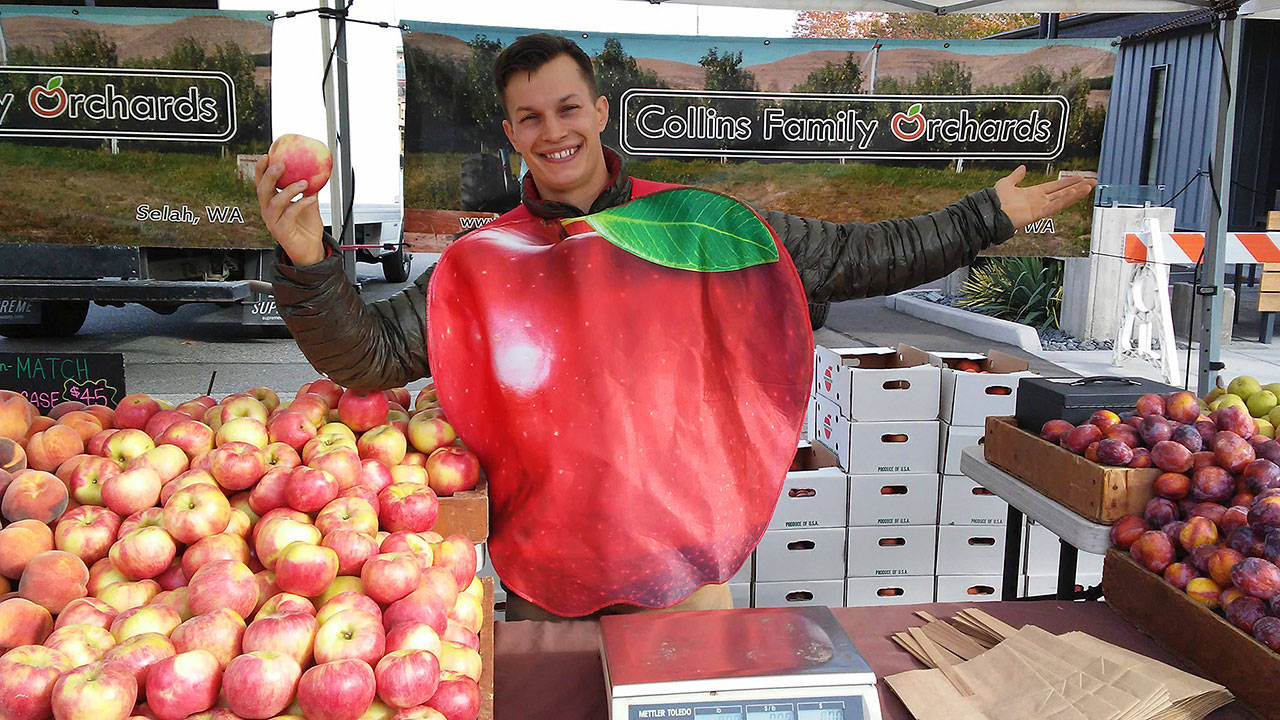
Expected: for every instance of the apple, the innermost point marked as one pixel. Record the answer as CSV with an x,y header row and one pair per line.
x,y
97,691
309,489
162,420
27,677
468,611
292,634
86,478
237,465
408,473
150,618
268,397
97,445
275,513
349,513
339,690
220,632
390,576
172,577
268,493
362,410
138,653
458,555
406,506
260,684
86,611
223,584
383,442
177,598
342,462
143,553
248,430
407,677
426,434
457,697
426,396
352,547
151,517
304,159
321,444
196,511
398,419
281,455
441,581
414,636
183,685
276,533
420,606
283,603
366,494
133,411
456,632
312,406
452,469
305,569
193,476
328,389
132,490
223,546
128,594
340,584
81,644
195,409
240,523
127,444
350,634
242,406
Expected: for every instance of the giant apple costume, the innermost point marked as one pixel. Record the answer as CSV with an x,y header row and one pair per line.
x,y
634,383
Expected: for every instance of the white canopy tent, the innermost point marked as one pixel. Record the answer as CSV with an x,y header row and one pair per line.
x,y
1231,13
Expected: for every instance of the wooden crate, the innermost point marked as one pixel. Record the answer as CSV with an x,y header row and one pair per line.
x,y
465,513
1221,651
1269,289
486,653
1100,493
1273,220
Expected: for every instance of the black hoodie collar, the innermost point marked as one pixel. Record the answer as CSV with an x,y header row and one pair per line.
x,y
617,192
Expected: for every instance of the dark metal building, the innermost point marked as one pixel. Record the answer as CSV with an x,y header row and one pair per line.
x,y
1163,109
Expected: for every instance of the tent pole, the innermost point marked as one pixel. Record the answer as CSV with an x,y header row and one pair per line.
x,y
1209,330
341,190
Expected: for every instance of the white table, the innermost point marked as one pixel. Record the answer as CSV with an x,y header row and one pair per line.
x,y
1074,530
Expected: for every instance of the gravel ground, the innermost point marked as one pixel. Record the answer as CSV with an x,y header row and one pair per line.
x,y
1050,338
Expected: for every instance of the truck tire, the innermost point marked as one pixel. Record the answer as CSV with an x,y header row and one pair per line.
x,y
485,185
396,265
818,314
58,318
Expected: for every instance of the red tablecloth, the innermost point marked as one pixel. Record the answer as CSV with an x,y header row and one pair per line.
x,y
552,671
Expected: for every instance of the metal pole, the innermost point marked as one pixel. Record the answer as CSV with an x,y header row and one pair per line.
x,y
338,117
1210,324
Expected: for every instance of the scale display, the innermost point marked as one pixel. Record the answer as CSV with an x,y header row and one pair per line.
x,y
792,663
818,708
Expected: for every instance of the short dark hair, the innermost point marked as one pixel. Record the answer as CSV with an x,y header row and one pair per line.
x,y
530,52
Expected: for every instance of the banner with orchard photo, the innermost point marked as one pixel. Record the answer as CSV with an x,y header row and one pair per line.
x,y
844,130
132,127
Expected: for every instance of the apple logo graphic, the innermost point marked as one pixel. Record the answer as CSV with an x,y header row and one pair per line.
x,y
911,118
52,89
826,426
827,378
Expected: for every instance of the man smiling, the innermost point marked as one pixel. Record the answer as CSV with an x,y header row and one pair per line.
x,y
554,117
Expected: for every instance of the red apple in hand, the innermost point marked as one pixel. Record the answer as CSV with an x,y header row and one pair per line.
x,y
304,158
339,690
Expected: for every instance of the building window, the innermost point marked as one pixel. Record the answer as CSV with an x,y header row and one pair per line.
x,y
1155,125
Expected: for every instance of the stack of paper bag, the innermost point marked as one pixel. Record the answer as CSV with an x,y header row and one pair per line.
x,y
1032,673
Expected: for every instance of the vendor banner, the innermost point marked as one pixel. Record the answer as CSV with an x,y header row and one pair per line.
x,y
840,129
133,127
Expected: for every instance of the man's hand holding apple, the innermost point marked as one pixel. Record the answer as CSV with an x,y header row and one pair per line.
x,y
294,165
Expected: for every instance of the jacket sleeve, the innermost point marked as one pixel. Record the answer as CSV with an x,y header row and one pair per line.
x,y
375,346
856,260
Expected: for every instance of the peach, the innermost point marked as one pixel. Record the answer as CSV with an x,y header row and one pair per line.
x,y
85,424
54,578
13,458
23,622
47,450
34,494
20,542
16,414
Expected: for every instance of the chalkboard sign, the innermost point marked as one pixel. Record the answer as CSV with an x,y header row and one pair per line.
x,y
48,378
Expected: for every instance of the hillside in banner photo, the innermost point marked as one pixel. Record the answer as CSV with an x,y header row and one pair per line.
x,y
132,127
831,160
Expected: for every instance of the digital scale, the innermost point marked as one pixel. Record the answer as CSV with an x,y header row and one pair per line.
x,y
793,663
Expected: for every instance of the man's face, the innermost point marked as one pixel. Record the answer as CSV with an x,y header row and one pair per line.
x,y
555,124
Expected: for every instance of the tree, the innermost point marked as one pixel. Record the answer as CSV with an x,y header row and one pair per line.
x,y
843,78
617,72
915,26
724,72
87,48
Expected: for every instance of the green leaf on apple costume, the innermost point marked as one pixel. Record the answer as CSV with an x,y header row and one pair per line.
x,y
687,229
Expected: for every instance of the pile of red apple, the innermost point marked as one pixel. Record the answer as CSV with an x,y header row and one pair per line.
x,y
238,559
1213,529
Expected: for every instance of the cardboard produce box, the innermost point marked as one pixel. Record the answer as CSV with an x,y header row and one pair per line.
x,y
969,398
1100,493
872,384
954,438
970,550
910,590
811,554
968,588
1218,649
892,550
893,500
965,502
814,495
799,592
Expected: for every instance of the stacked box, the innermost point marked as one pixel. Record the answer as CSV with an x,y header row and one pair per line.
x,y
1040,563
971,534
877,410
800,559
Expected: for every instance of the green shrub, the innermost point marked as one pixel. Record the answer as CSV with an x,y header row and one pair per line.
x,y
1022,289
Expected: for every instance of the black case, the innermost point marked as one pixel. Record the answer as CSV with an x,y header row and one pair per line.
x,y
1043,399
